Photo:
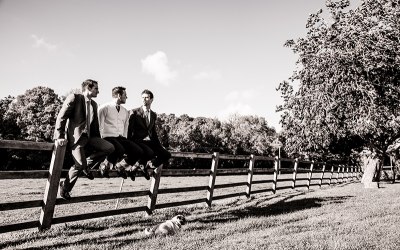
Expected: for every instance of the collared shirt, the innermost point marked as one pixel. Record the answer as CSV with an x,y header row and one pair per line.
x,y
91,107
113,123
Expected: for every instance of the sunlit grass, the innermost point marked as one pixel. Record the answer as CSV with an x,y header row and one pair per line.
x,y
345,216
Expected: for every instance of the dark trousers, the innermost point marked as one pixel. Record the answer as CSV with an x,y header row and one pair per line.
x,y
124,146
95,147
155,152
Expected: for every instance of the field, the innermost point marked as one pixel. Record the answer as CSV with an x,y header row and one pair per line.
x,y
343,216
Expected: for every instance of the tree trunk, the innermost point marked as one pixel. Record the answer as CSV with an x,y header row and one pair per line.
x,y
372,170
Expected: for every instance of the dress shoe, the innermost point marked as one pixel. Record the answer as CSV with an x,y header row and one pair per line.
x,y
132,174
104,170
122,173
145,173
88,174
64,194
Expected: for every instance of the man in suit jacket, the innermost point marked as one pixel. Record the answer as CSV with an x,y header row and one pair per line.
x,y
77,124
142,130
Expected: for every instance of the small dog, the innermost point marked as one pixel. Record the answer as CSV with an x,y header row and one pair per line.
x,y
169,227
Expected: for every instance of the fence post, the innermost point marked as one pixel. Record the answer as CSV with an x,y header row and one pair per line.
x,y
310,175
347,173
337,176
330,178
322,175
275,180
51,190
296,165
213,175
250,175
155,183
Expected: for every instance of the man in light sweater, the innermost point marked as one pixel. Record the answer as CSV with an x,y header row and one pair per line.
x,y
113,122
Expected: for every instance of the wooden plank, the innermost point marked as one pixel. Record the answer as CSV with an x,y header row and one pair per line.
x,y
181,203
296,165
26,145
262,191
275,178
262,182
100,214
213,175
20,205
227,196
250,175
155,183
229,185
181,190
101,197
234,157
51,190
310,174
265,158
19,226
191,155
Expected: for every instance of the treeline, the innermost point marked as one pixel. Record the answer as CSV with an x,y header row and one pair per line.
x,y
32,117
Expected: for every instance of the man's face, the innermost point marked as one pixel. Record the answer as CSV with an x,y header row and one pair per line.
x,y
94,91
146,100
122,98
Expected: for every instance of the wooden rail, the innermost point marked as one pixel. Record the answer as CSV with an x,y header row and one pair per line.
x,y
50,200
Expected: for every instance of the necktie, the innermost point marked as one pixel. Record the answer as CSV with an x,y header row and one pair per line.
x,y
88,117
118,108
147,114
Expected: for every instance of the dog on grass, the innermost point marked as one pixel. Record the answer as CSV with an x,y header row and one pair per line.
x,y
167,228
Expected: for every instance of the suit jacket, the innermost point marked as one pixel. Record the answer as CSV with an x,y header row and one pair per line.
x,y
138,129
71,119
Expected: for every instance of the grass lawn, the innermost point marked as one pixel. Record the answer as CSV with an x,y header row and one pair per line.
x,y
343,216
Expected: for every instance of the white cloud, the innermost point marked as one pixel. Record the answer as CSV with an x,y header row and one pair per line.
x,y
157,65
240,95
235,108
40,42
213,75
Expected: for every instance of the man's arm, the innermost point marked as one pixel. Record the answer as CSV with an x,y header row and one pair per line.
x,y
65,113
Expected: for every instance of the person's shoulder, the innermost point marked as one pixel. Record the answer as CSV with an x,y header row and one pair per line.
x,y
135,110
104,105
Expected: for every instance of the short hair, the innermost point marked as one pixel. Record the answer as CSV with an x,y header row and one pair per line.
x,y
117,90
146,91
88,83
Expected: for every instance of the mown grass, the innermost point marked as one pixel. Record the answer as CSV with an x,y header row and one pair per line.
x,y
344,216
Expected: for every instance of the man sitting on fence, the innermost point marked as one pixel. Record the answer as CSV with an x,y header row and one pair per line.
x,y
113,120
77,124
142,130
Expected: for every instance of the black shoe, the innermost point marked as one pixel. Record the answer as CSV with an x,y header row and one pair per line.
x,y
132,175
122,173
88,174
145,173
104,171
64,194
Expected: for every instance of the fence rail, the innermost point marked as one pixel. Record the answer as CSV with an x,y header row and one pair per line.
x,y
334,174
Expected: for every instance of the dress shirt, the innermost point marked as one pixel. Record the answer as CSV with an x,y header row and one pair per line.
x,y
113,123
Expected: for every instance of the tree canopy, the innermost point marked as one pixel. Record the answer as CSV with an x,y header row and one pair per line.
x,y
344,94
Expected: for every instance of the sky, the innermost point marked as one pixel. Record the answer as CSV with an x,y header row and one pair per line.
x,y
204,58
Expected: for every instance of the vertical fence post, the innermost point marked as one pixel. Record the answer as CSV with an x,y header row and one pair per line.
x,y
337,176
347,173
155,183
250,175
296,165
50,193
275,180
322,175
330,178
310,175
213,175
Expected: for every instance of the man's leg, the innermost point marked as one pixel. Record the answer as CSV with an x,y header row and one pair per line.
x,y
101,149
113,157
161,155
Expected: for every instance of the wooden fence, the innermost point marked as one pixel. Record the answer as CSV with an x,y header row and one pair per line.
x,y
320,172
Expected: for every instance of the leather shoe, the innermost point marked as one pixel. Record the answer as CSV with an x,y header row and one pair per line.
x,y
103,170
122,173
64,194
131,174
88,174
145,173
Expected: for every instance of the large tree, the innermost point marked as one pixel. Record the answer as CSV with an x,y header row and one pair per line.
x,y
344,94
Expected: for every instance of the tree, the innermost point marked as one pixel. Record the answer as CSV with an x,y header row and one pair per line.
x,y
347,83
36,112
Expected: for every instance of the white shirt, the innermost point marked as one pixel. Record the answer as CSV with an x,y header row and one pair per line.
x,y
113,123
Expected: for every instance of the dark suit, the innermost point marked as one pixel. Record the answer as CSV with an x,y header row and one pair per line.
x,y
71,125
138,131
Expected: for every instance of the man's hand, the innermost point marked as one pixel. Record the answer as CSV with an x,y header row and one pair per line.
x,y
61,142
